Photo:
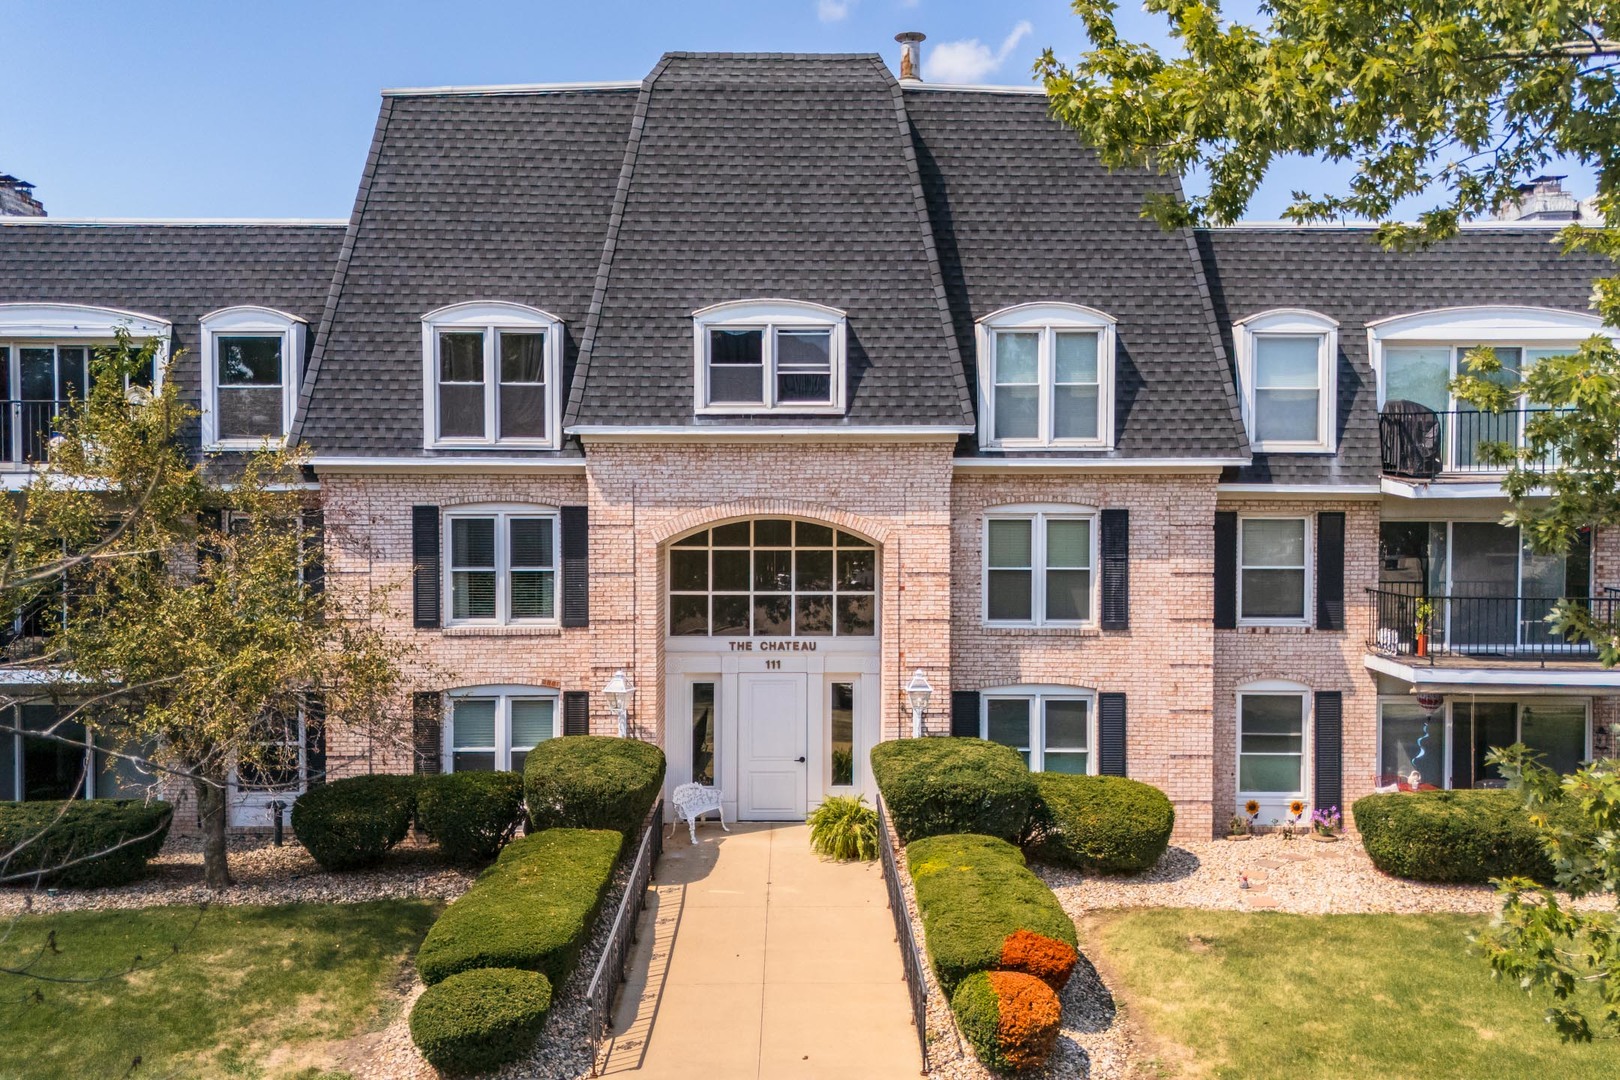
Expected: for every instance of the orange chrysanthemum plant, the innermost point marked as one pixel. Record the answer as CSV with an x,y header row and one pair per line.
x,y
1048,959
1009,1018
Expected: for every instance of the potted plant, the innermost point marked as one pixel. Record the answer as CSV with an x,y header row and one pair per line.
x,y
1237,828
1326,824
1422,618
1290,825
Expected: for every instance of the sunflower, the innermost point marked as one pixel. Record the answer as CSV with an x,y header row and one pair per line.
x,y
1296,808
1251,807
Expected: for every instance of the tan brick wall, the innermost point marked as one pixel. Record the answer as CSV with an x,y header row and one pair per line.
x,y
1163,663
1318,659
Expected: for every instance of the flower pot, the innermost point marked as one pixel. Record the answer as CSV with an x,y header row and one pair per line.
x,y
1321,838
1235,839
1423,644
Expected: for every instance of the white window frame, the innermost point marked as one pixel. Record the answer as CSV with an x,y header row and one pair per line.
x,y
1048,319
1309,588
1273,800
491,318
769,316
502,514
1291,322
1036,696
504,694
1038,516
249,321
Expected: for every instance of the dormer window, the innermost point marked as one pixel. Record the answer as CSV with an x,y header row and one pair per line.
x,y
1046,377
780,356
252,356
492,374
1287,377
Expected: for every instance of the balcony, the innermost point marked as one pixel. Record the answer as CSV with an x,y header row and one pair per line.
x,y
1419,443
25,430
1475,631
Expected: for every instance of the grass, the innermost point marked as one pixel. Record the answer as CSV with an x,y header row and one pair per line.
x,y
1225,994
249,992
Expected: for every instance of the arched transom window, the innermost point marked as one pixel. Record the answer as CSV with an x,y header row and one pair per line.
x,y
772,577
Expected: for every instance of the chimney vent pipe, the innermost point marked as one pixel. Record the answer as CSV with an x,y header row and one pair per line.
x,y
910,55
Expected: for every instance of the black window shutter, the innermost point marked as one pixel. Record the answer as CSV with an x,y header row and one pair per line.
x,y
427,731
576,566
314,540
1330,570
1111,734
425,562
1329,756
1116,569
1226,570
576,712
210,523
965,714
314,739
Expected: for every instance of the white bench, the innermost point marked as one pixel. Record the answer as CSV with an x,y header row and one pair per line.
x,y
692,801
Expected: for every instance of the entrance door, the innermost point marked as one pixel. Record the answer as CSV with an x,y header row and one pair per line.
x,y
773,725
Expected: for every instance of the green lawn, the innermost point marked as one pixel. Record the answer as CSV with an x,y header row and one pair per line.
x,y
1234,995
236,991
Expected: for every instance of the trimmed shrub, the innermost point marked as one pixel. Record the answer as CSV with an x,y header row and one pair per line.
x,y
937,786
844,828
1009,1018
478,1020
1102,823
113,837
974,892
1469,836
352,823
1048,960
592,782
532,910
470,814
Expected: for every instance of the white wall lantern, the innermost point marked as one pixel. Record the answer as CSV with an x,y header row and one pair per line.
x,y
619,690
919,691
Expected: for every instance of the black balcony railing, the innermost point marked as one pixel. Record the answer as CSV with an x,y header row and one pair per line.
x,y
25,429
1407,623
1420,443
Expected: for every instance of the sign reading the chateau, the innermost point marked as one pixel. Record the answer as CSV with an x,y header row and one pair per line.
x,y
773,646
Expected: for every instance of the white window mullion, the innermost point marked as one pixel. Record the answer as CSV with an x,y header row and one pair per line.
x,y
1037,569
503,733
491,355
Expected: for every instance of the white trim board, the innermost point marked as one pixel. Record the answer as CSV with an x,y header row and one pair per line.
x,y
1450,680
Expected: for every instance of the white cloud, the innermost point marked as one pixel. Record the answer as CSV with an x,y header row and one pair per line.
x,y
833,10
971,61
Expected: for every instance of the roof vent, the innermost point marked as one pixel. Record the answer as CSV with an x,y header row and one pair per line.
x,y
17,198
910,55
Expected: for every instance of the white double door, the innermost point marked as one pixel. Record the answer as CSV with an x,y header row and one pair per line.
x,y
773,737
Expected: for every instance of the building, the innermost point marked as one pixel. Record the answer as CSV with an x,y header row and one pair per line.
x,y
17,198
770,381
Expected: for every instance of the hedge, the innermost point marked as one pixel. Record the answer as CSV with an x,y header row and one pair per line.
x,y
478,1020
974,893
937,786
470,814
1101,823
1009,1018
1469,836
592,782
114,837
532,910
347,824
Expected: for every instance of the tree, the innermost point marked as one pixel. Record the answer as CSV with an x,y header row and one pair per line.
x,y
194,628
1454,101
1458,103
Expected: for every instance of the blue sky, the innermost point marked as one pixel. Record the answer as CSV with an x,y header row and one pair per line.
x,y
140,108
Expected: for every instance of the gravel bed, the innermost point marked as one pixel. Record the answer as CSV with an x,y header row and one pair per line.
x,y
561,1053
264,874
1301,875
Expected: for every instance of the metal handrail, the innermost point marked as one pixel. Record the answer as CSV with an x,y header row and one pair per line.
x,y
1426,444
910,955
610,966
1476,627
25,428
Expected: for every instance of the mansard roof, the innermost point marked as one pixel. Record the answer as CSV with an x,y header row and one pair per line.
x,y
176,270
1342,272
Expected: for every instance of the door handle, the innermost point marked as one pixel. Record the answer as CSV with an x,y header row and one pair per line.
x,y
800,759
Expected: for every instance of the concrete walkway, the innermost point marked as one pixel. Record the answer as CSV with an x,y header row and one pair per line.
x,y
756,960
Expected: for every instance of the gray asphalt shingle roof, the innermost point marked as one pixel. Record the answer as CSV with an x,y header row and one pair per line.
x,y
1342,273
176,271
1023,213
